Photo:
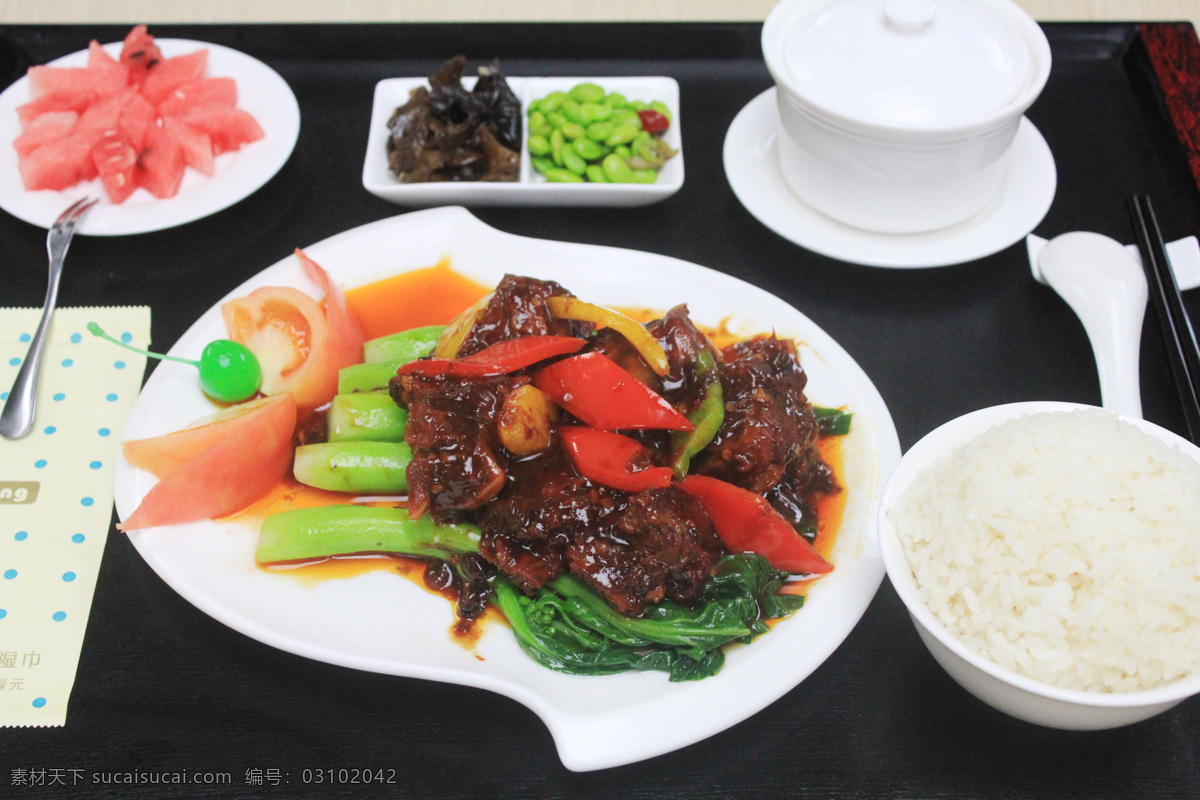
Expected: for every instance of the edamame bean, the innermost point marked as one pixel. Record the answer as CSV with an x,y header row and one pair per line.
x,y
599,131
661,108
551,102
622,134
538,145
586,93
588,149
572,111
556,119
595,112
558,175
624,116
595,174
647,175
616,170
556,146
542,165
616,100
573,161
573,130
539,125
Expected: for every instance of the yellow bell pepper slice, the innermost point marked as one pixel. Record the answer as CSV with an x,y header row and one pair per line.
x,y
456,331
569,307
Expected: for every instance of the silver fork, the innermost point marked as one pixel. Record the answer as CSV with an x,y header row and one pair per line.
x,y
17,418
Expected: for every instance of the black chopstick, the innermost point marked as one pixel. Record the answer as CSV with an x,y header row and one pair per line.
x,y
1177,329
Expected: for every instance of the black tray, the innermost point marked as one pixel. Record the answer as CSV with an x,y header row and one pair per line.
x,y
163,688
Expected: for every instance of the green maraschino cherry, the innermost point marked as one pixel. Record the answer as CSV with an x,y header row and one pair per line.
x,y
229,372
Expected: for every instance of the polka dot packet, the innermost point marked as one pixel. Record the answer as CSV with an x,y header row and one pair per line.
x,y
56,498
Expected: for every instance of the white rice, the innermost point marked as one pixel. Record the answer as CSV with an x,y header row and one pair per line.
x,y
1064,546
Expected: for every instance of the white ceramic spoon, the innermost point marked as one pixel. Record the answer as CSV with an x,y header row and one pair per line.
x,y
1104,284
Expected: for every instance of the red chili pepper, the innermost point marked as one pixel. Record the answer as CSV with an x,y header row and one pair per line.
x,y
608,458
654,121
747,523
593,388
498,359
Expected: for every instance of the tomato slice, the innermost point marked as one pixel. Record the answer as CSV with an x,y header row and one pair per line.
x,y
345,334
280,325
747,523
217,467
300,343
162,455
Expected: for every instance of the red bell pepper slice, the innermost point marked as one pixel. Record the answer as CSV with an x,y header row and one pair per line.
x,y
498,359
607,458
747,523
596,390
653,121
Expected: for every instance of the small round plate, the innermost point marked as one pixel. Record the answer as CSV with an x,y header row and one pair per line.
x,y
261,92
752,169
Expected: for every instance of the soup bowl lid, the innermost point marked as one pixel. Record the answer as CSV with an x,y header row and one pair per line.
x,y
907,64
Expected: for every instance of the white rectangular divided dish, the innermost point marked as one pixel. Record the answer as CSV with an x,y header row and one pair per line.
x,y
531,189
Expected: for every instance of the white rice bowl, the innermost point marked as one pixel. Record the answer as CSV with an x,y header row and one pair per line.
x,y
1064,546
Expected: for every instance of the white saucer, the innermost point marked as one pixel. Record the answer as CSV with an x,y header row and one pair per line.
x,y
751,167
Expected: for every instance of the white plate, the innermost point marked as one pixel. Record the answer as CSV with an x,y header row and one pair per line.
x,y
382,622
261,92
751,166
531,189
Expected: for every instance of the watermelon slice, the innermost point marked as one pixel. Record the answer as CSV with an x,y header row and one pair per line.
x,y
135,117
230,128
169,74
139,54
214,91
55,101
50,80
100,62
104,114
197,145
45,128
59,164
115,160
160,164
